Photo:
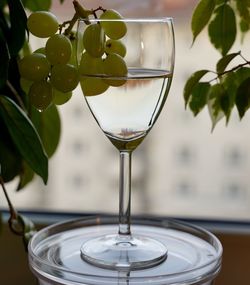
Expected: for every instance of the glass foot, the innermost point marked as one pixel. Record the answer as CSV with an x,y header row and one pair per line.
x,y
118,252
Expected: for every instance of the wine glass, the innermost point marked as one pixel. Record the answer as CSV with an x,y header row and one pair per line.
x,y
125,97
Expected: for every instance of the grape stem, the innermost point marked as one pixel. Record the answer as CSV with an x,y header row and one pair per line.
x,y
71,24
96,10
80,12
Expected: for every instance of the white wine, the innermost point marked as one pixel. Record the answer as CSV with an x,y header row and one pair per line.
x,y
126,113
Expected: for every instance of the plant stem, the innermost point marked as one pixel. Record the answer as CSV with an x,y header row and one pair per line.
x,y
234,68
71,24
125,193
244,58
230,70
13,212
14,92
80,12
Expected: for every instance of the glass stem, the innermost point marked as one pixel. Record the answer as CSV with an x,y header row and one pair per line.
x,y
125,193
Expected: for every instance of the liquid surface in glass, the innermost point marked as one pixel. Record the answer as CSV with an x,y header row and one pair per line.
x,y
127,113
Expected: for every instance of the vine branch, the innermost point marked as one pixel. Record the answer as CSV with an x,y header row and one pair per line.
x,y
14,223
14,92
230,70
13,212
80,12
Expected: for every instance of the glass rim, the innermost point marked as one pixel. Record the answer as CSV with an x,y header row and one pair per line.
x,y
130,19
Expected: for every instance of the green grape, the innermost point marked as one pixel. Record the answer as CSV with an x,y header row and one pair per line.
x,y
60,98
116,29
115,67
90,65
115,46
64,77
94,40
40,50
34,67
25,85
41,95
58,49
42,24
93,86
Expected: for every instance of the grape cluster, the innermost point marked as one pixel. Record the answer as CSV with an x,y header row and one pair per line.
x,y
102,64
48,75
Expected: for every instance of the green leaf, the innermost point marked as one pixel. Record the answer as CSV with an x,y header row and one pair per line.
x,y
222,100
3,23
26,176
213,98
214,112
243,9
25,136
219,2
230,84
38,5
242,74
191,83
224,61
243,97
199,97
215,93
13,89
48,124
18,20
4,60
201,16
10,158
225,103
244,26
3,3
222,29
